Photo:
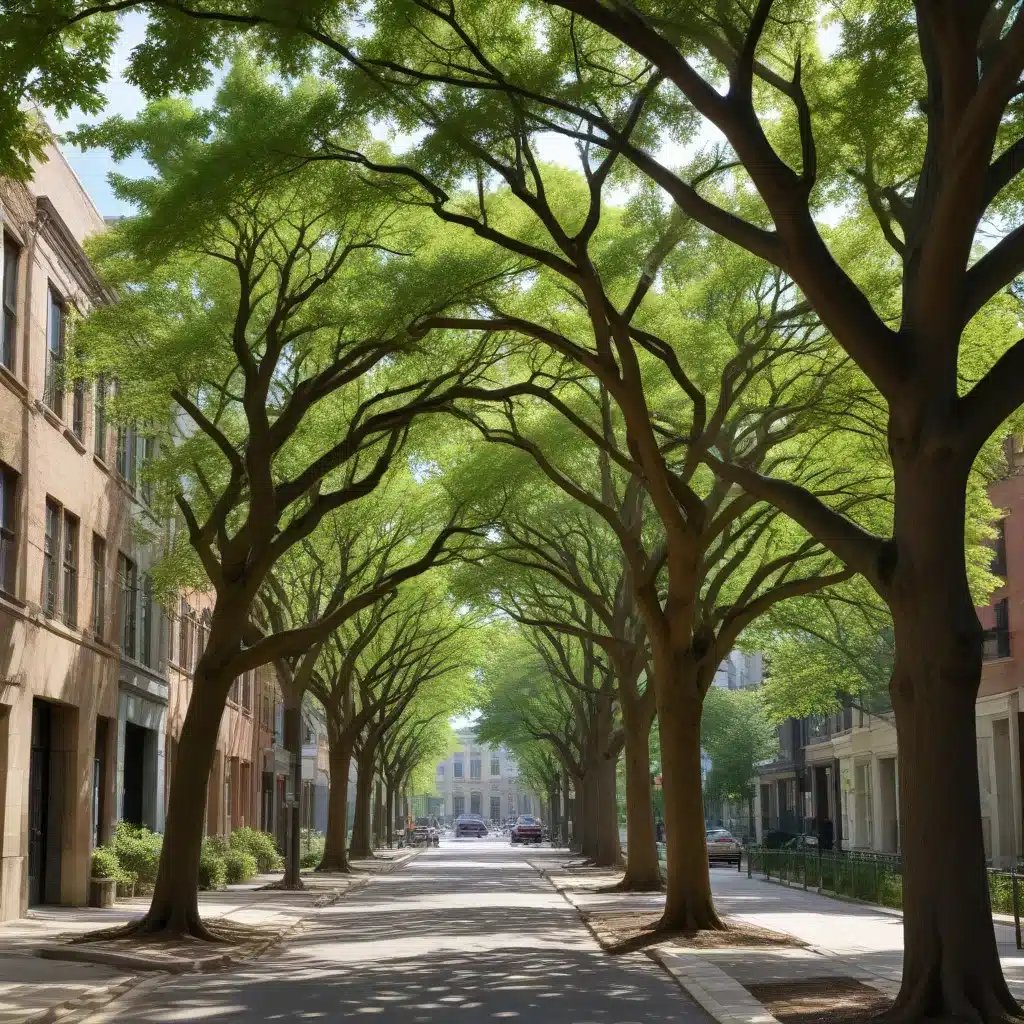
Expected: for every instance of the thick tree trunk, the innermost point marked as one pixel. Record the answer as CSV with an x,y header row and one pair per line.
x,y
607,852
174,909
335,856
950,960
688,902
643,872
553,812
586,799
361,824
293,744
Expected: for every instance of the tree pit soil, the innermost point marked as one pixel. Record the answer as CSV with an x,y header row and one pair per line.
x,y
821,1001
230,940
624,931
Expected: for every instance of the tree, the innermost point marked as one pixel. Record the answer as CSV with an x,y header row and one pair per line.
x,y
556,567
254,307
737,735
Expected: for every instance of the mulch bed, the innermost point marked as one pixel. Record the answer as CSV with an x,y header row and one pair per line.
x,y
624,931
821,1001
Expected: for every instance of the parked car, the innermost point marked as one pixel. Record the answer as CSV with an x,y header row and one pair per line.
x,y
526,830
470,825
723,846
425,832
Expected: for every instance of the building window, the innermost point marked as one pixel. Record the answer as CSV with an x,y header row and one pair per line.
x,y
996,642
999,553
457,772
495,808
126,453
53,386
78,410
474,768
476,801
9,307
51,552
146,485
99,440
495,765
146,622
70,573
440,771
8,536
458,805
99,584
128,580
184,622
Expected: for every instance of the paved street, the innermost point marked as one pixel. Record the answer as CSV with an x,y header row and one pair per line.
x,y
467,932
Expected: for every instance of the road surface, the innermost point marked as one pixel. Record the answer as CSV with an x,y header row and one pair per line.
x,y
468,932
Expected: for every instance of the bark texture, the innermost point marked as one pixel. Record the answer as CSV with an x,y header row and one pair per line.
x,y
362,824
951,963
688,902
293,744
643,872
335,856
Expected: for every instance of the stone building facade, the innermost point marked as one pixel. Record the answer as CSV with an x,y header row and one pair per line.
x,y
480,779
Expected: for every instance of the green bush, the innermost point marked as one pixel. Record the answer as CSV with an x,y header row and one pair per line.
x,y
239,866
312,846
106,865
137,850
213,871
260,845
218,844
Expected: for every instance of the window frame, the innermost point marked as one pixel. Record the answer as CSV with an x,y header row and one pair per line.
x,y
51,558
99,421
99,585
128,584
53,382
71,527
8,529
9,303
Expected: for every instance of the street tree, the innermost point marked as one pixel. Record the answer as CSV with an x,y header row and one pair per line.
x,y
265,330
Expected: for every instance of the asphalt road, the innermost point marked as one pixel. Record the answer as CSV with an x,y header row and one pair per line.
x,y
468,932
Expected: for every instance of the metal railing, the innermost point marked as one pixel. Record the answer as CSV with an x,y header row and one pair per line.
x,y
875,878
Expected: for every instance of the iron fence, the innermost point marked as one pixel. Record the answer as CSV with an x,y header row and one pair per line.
x,y
875,878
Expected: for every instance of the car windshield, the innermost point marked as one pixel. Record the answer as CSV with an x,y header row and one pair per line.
x,y
527,820
422,821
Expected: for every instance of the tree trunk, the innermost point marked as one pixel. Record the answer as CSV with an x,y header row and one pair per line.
x,y
378,815
566,809
585,801
643,872
553,812
390,815
607,852
293,744
361,825
174,909
688,902
335,856
950,960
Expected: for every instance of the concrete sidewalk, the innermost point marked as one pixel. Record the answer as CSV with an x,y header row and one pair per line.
x,y
39,990
843,940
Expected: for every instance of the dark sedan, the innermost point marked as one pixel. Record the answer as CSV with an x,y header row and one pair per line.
x,y
470,825
526,830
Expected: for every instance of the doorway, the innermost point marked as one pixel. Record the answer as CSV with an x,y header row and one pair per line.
x,y
134,772
39,800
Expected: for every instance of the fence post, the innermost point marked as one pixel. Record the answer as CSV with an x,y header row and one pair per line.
x,y
804,855
750,862
821,870
739,861
1015,891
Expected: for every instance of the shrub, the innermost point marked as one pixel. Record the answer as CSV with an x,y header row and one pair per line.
x,y
312,846
213,872
261,845
137,850
240,866
219,845
106,865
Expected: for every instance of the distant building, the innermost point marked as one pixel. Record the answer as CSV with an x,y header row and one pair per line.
x,y
479,779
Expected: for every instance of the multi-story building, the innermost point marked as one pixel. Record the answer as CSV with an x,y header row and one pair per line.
x,y
844,768
83,682
480,779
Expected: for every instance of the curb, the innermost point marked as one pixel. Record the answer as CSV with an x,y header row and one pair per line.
x,y
92,1002
721,996
598,938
